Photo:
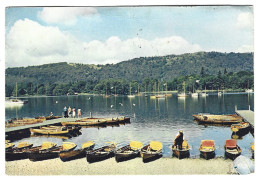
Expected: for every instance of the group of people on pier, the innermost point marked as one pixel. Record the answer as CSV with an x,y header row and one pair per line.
x,y
71,112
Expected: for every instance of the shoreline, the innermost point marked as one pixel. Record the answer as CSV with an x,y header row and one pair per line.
x,y
171,92
162,166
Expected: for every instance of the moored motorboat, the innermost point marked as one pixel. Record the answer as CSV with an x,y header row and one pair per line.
x,y
207,149
129,151
152,151
19,152
241,128
102,153
77,154
181,153
217,119
160,96
232,150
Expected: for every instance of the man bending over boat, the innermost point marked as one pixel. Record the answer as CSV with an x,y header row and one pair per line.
x,y
178,140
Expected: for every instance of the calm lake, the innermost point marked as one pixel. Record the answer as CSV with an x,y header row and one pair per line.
x,y
151,119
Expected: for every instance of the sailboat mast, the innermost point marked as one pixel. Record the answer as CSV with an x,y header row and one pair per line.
x,y
16,90
130,88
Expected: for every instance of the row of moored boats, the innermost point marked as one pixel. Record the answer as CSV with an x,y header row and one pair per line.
x,y
150,152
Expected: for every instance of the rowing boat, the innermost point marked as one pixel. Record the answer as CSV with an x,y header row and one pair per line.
x,y
85,123
151,151
232,150
182,153
207,149
240,128
58,131
129,151
217,119
102,153
77,154
19,152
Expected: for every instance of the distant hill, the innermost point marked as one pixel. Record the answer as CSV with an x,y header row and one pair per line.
x,y
161,67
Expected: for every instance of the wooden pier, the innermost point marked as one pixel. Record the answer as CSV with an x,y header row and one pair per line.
x,y
44,123
24,131
247,115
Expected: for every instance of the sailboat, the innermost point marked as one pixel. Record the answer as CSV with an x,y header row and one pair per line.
x,y
12,102
159,95
204,94
106,93
167,91
248,90
130,95
194,94
219,93
183,94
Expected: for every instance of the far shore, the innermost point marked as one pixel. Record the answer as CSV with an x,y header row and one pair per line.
x,y
171,92
163,166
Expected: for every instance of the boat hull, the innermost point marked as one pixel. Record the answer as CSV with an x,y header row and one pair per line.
x,y
91,158
207,154
231,155
72,155
181,153
120,157
148,157
11,156
217,119
39,156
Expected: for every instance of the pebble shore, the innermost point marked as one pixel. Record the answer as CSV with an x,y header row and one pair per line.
x,y
163,166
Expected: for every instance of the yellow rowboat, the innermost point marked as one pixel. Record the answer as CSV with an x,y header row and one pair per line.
x,y
85,123
241,128
9,146
151,151
102,153
77,154
19,152
50,131
129,151
207,149
217,119
181,153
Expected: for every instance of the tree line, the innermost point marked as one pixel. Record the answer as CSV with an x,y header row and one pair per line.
x,y
222,80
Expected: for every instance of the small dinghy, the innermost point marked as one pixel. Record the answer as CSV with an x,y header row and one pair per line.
x,y
152,151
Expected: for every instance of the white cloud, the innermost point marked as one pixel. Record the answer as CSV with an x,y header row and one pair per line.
x,y
246,48
64,15
245,20
29,43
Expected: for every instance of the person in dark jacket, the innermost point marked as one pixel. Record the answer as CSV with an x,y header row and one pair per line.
x,y
179,140
65,112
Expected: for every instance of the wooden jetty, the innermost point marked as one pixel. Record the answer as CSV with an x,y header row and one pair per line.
x,y
247,115
25,130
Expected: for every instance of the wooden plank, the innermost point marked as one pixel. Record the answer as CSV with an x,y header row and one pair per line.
x,y
44,123
247,115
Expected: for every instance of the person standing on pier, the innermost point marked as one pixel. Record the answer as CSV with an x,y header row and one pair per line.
x,y
179,140
69,111
79,113
73,112
65,112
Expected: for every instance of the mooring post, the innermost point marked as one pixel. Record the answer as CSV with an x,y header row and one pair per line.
x,y
90,115
235,107
249,107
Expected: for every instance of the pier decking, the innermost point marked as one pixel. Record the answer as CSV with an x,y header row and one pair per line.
x,y
45,123
247,115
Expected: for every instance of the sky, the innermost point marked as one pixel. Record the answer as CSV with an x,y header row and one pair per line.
x,y
101,35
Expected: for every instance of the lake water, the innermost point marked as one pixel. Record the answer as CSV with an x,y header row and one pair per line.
x,y
151,119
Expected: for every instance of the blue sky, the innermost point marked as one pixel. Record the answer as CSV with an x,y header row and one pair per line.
x,y
113,34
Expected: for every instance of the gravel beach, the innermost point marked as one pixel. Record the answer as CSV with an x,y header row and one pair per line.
x,y
163,166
